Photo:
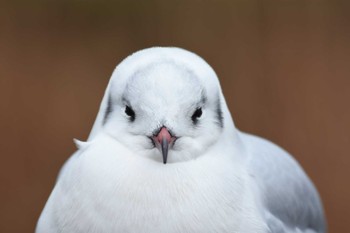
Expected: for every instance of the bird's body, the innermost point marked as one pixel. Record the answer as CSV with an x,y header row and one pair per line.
x,y
217,178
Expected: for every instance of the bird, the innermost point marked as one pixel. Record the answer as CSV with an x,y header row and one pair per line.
x,y
164,155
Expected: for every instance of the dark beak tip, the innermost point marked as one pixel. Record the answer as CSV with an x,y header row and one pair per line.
x,y
165,158
165,148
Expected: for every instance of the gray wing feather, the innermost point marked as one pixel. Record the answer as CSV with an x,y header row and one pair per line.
x,y
291,202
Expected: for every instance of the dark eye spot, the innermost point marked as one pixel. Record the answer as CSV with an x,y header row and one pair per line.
x,y
130,112
196,115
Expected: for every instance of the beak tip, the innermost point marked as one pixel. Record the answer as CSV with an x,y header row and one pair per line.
x,y
165,148
164,159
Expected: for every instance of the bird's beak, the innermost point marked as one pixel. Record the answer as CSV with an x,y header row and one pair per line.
x,y
163,140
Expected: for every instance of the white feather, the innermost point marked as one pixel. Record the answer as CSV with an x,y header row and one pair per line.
x,y
116,182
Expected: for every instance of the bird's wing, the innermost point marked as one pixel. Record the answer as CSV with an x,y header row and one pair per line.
x,y
290,200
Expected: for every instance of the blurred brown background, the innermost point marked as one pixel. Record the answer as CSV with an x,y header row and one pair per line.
x,y
284,67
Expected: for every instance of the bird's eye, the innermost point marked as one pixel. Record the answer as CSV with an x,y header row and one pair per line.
x,y
130,112
196,115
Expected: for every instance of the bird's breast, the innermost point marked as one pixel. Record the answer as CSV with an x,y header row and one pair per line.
x,y
125,194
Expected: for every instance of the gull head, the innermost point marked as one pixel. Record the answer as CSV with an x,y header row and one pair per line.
x,y
164,104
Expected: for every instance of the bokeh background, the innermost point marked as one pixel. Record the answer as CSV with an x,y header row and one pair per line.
x,y
284,68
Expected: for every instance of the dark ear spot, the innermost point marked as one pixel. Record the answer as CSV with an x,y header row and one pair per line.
x,y
219,115
108,110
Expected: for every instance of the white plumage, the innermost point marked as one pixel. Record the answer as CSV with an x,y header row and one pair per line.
x,y
165,105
